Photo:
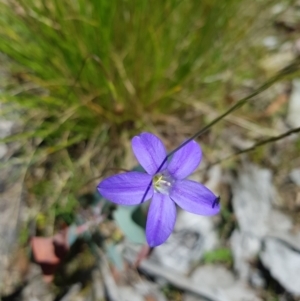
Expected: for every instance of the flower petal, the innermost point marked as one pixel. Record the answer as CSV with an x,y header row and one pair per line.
x,y
128,188
194,197
185,160
149,151
161,219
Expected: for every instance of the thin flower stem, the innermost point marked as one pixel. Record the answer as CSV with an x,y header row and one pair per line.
x,y
259,144
286,71
292,68
279,76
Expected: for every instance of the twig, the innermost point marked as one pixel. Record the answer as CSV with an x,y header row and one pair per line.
x,y
259,144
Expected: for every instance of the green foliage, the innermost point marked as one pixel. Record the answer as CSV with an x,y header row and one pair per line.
x,y
95,62
24,236
66,213
297,145
172,293
221,255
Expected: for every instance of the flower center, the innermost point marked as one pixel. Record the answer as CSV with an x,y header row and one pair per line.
x,y
162,183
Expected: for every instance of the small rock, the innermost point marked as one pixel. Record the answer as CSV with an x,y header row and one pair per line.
x,y
10,206
193,236
214,178
150,291
257,280
36,289
212,276
294,105
72,293
289,238
279,222
241,291
191,297
270,42
221,284
275,62
6,127
253,192
97,285
278,8
245,248
295,176
253,196
128,293
283,263
3,150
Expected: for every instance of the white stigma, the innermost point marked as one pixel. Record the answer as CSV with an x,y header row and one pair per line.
x,y
162,183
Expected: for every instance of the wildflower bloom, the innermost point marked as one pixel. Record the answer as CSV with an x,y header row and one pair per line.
x,y
165,187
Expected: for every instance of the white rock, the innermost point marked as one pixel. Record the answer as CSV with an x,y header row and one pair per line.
x,y
273,63
241,291
128,293
294,105
6,127
193,235
278,8
147,288
279,222
214,178
252,197
191,297
244,247
219,282
3,150
270,42
283,263
257,279
290,238
295,176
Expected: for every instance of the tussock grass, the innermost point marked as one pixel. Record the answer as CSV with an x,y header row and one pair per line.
x,y
89,73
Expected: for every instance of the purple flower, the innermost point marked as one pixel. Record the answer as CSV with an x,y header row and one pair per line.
x,y
166,187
